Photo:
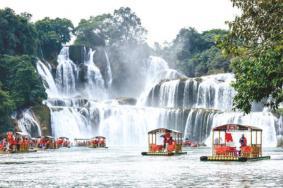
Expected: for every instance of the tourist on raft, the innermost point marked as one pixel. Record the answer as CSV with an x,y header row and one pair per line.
x,y
243,141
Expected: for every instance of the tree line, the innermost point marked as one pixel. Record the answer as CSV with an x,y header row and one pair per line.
x,y
252,49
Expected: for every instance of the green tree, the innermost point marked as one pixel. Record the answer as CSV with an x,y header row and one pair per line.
x,y
127,27
52,34
7,106
255,42
197,54
94,31
21,80
123,26
17,35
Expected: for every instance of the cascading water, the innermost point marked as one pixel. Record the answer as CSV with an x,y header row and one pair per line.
x,y
156,70
169,99
211,92
48,81
28,124
109,72
66,73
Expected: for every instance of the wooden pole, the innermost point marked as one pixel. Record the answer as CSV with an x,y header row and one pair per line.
x,y
212,142
251,137
256,137
260,143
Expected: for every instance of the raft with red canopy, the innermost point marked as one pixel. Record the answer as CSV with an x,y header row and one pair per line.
x,y
171,143
225,150
63,142
16,143
98,142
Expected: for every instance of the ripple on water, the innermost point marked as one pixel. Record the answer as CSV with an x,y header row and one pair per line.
x,y
125,167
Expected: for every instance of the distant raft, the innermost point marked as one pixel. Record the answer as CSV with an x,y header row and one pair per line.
x,y
250,150
171,144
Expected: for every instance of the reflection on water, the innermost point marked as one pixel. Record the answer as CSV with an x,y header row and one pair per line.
x,y
125,167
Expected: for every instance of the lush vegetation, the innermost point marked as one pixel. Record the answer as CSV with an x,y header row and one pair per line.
x,y
52,34
21,41
20,86
17,34
195,53
256,45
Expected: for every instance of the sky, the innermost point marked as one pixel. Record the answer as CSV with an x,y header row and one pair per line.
x,y
162,18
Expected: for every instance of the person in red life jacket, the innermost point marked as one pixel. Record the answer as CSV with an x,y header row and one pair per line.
x,y
26,144
48,144
1,147
171,145
166,138
101,142
228,137
4,144
60,142
10,139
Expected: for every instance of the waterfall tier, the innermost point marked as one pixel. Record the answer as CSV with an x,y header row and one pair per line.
x,y
79,98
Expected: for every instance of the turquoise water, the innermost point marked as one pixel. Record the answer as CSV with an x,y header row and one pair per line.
x,y
125,167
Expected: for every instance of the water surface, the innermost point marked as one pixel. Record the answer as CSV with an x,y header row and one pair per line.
x,y
125,167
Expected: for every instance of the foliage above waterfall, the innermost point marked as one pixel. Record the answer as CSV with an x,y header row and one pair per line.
x,y
17,34
52,33
121,26
124,37
44,38
256,43
196,54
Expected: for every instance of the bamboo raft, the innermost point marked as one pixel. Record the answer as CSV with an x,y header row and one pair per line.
x,y
239,159
163,153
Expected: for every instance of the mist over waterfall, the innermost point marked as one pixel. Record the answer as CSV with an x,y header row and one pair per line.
x,y
81,102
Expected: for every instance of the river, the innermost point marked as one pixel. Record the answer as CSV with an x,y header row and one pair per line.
x,y
125,167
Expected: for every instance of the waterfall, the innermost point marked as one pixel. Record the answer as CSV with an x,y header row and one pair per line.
x,y
157,69
48,81
28,124
109,72
80,105
211,92
95,83
66,73
198,124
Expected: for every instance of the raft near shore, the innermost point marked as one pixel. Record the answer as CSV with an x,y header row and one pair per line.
x,y
163,153
239,159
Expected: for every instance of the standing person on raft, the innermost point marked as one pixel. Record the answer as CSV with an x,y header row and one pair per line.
x,y
243,141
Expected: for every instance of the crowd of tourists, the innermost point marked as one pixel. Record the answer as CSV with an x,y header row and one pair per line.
x,y
20,142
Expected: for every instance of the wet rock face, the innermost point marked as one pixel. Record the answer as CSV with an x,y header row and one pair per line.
x,y
42,116
77,54
127,101
100,61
